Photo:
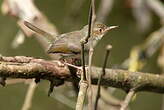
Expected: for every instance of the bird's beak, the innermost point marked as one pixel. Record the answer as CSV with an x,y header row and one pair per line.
x,y
111,27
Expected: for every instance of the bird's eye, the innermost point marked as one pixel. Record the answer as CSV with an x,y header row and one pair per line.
x,y
100,30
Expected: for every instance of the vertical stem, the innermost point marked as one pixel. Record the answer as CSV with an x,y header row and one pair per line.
x,y
28,99
81,95
84,83
84,77
90,92
108,48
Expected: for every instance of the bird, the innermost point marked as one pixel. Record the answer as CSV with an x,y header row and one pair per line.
x,y
68,45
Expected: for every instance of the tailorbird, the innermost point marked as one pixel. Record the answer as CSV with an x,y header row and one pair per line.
x,y
68,44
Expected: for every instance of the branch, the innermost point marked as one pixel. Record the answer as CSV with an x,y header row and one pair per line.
x,y
81,95
91,22
84,82
127,100
90,90
30,93
28,67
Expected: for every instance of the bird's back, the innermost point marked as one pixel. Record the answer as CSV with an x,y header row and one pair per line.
x,y
68,43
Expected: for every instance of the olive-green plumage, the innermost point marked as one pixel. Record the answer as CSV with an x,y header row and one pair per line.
x,y
68,44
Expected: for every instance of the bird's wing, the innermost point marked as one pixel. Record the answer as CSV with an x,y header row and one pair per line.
x,y
39,31
63,47
66,45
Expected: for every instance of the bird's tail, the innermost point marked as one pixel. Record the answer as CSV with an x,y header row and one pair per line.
x,y
41,32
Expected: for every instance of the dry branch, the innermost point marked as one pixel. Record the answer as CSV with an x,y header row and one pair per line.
x,y
28,67
127,100
84,82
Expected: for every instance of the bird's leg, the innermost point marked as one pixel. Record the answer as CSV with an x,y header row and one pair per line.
x,y
71,65
73,70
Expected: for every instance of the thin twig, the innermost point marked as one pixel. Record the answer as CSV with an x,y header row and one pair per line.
x,y
83,77
90,92
84,83
92,18
81,95
127,100
85,40
91,21
29,96
108,49
101,76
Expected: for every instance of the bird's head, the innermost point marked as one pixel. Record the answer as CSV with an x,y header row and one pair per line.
x,y
99,30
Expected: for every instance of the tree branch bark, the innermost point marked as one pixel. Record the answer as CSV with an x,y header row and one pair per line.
x,y
28,67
